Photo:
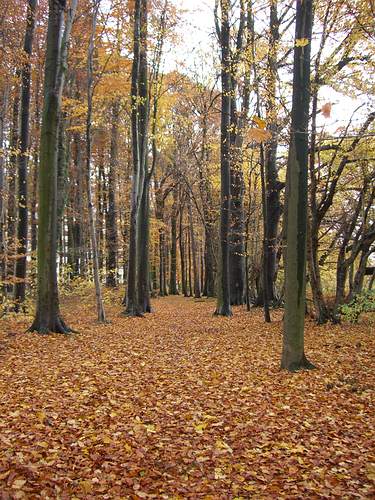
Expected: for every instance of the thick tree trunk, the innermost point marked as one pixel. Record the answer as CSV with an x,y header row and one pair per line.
x,y
293,355
143,268
48,317
137,300
223,307
237,244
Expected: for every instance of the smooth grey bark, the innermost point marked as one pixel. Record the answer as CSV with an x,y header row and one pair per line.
x,y
293,355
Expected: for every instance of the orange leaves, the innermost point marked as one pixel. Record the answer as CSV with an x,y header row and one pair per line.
x,y
258,133
326,110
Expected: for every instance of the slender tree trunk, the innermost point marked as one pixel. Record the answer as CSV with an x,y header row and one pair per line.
x,y
173,274
34,196
293,355
22,227
4,106
182,253
112,239
223,307
266,280
12,168
197,289
273,185
359,275
92,225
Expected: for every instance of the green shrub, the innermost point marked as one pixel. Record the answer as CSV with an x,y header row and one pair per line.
x,y
362,303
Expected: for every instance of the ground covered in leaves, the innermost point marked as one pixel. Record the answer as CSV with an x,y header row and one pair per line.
x,y
181,404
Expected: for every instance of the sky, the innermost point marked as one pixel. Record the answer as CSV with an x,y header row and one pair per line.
x,y
196,49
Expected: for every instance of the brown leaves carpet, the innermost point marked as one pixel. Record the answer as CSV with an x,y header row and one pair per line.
x,y
181,404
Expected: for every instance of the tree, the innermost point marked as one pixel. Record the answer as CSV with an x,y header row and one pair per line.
x,y
293,354
223,307
92,225
137,298
22,228
47,317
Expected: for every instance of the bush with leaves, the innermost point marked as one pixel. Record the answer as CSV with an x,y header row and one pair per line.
x,y
362,303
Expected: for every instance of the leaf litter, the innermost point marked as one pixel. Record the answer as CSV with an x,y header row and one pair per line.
x,y
182,404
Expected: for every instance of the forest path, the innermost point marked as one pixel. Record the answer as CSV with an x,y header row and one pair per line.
x,y
181,404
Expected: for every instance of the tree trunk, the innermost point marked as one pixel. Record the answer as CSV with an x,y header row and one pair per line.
x,y
173,274
293,355
223,307
47,318
22,228
11,213
182,254
92,225
111,233
137,300
209,261
197,288
4,106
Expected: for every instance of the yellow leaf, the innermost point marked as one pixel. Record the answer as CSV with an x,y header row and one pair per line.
x,y
302,42
128,448
222,445
86,485
259,122
150,428
199,428
219,473
106,440
18,484
43,444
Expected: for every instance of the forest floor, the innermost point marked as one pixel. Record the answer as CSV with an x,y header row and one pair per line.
x,y
181,404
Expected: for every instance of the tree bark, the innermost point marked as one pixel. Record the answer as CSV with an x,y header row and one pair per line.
x,y
223,307
92,225
111,234
22,227
293,355
47,318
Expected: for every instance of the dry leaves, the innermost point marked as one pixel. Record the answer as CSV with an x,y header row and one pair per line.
x,y
182,404
326,110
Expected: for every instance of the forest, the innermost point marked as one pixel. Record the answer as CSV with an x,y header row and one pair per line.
x,y
187,249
